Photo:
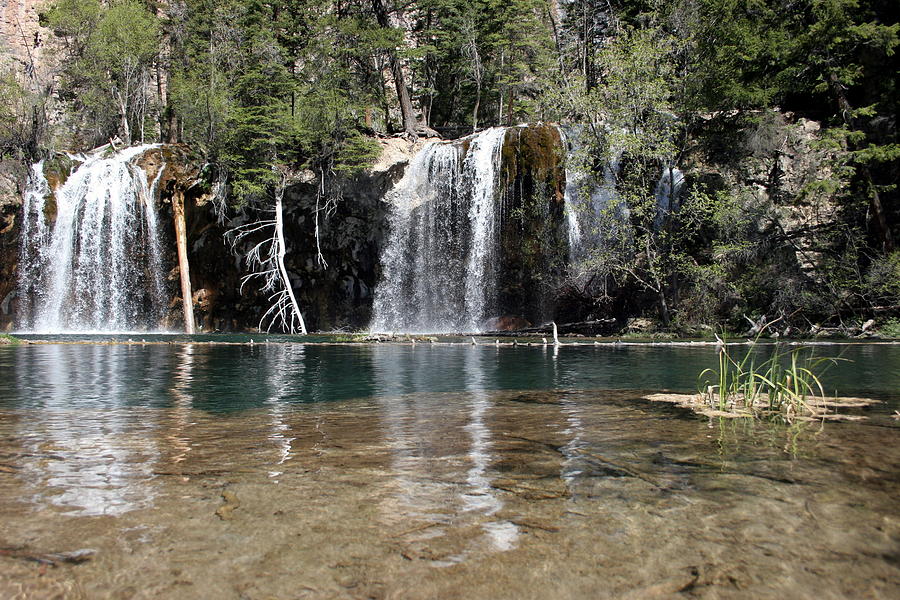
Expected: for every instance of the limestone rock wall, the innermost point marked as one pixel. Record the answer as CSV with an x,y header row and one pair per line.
x,y
24,42
784,164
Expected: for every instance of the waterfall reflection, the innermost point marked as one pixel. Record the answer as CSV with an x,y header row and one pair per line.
x,y
204,386
286,374
406,422
571,468
481,497
441,449
92,448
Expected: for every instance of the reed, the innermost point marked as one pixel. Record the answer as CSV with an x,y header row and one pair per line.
x,y
787,384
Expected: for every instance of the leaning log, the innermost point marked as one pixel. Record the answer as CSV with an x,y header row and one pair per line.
x,y
187,300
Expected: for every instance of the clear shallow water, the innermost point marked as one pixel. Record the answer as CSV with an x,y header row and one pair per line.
x,y
289,470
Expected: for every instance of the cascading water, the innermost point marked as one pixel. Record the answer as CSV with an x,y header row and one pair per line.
x,y
439,267
482,165
668,190
593,209
96,264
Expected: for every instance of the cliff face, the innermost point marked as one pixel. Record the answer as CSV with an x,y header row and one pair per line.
x,y
12,178
782,176
334,290
24,41
780,168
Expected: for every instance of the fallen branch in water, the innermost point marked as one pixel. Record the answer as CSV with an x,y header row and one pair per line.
x,y
76,557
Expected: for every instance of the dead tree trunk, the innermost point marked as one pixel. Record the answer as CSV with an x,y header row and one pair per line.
x,y
187,300
266,260
282,270
406,108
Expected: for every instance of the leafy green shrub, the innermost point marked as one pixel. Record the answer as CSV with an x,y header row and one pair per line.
x,y
890,329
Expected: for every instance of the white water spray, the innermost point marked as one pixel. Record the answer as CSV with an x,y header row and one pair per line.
x,y
96,266
439,266
668,192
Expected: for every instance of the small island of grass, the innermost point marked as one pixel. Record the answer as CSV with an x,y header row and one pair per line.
x,y
8,340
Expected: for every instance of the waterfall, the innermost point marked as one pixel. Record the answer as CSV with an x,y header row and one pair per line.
x,y
482,167
593,209
481,229
439,266
668,190
96,264
33,241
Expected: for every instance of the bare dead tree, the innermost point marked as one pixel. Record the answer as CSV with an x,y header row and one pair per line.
x,y
265,260
470,51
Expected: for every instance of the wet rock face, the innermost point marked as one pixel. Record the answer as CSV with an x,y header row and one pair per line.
x,y
182,169
533,241
336,293
11,174
351,231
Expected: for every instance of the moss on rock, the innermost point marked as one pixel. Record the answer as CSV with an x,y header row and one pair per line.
x,y
533,244
537,152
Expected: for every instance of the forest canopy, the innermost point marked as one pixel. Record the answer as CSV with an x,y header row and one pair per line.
x,y
254,85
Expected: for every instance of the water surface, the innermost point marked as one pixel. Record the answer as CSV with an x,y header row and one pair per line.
x,y
391,471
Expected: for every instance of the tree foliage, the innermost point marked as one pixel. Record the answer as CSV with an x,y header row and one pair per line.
x,y
716,87
109,51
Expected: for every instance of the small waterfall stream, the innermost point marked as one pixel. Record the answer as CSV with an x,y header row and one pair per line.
x,y
668,193
593,208
90,256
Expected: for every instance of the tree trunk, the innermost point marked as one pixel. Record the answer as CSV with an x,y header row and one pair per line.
x,y
552,15
187,300
500,110
664,314
282,270
406,107
477,105
125,129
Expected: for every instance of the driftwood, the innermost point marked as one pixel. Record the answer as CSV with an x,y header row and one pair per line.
x,y
597,327
49,558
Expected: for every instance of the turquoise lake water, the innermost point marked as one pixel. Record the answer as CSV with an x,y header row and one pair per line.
x,y
189,469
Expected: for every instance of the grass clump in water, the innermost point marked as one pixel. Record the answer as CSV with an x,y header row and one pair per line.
x,y
8,340
786,385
